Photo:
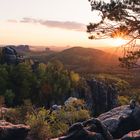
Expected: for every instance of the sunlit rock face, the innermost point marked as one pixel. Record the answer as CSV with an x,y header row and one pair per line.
x,y
9,131
103,97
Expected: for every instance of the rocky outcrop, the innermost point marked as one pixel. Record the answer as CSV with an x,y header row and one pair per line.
x,y
103,97
10,56
9,131
121,120
90,130
118,123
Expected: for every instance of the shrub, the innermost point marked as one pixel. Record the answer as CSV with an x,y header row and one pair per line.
x,y
49,124
40,129
123,100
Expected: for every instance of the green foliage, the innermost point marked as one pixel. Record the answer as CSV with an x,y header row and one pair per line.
x,y
115,22
73,112
4,79
134,94
42,85
9,97
121,84
46,124
18,115
13,115
123,100
75,78
57,84
22,78
39,126
54,123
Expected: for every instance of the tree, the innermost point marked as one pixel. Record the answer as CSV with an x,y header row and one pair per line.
x,y
9,97
119,19
4,79
22,80
57,84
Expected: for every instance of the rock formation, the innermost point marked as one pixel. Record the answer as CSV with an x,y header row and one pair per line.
x,y
121,120
117,123
10,56
103,97
10,131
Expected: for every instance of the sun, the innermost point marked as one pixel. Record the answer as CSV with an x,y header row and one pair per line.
x,y
119,42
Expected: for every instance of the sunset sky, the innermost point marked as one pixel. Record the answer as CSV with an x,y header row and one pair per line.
x,y
46,22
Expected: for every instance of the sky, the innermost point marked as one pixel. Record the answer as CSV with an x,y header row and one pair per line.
x,y
46,22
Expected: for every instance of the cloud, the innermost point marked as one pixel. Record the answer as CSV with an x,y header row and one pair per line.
x,y
69,25
12,20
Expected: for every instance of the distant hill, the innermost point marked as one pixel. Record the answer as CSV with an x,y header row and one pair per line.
x,y
76,58
86,59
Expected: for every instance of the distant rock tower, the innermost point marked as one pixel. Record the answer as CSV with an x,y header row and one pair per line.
x,y
10,56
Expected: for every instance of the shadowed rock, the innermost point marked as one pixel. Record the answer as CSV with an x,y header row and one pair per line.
x,y
103,97
9,131
121,120
113,124
89,130
10,56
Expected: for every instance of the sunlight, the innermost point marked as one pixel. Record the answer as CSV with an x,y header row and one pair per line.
x,y
119,42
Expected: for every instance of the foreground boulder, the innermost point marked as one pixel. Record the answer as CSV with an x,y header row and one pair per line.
x,y
89,130
121,120
9,131
114,124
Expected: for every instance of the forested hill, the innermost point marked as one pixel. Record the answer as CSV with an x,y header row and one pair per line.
x,y
76,58
79,59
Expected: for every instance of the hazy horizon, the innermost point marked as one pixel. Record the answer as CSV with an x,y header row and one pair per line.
x,y
48,23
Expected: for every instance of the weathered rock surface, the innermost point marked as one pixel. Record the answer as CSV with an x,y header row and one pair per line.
x,y
103,97
114,124
89,130
10,56
133,135
121,120
9,131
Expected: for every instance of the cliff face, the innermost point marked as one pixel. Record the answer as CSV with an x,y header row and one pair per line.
x,y
100,96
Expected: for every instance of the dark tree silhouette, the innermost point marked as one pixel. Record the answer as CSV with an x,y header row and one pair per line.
x,y
119,19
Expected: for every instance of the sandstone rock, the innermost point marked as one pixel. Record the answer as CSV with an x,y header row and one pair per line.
x,y
133,135
10,56
103,97
121,120
114,124
70,100
86,131
9,131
